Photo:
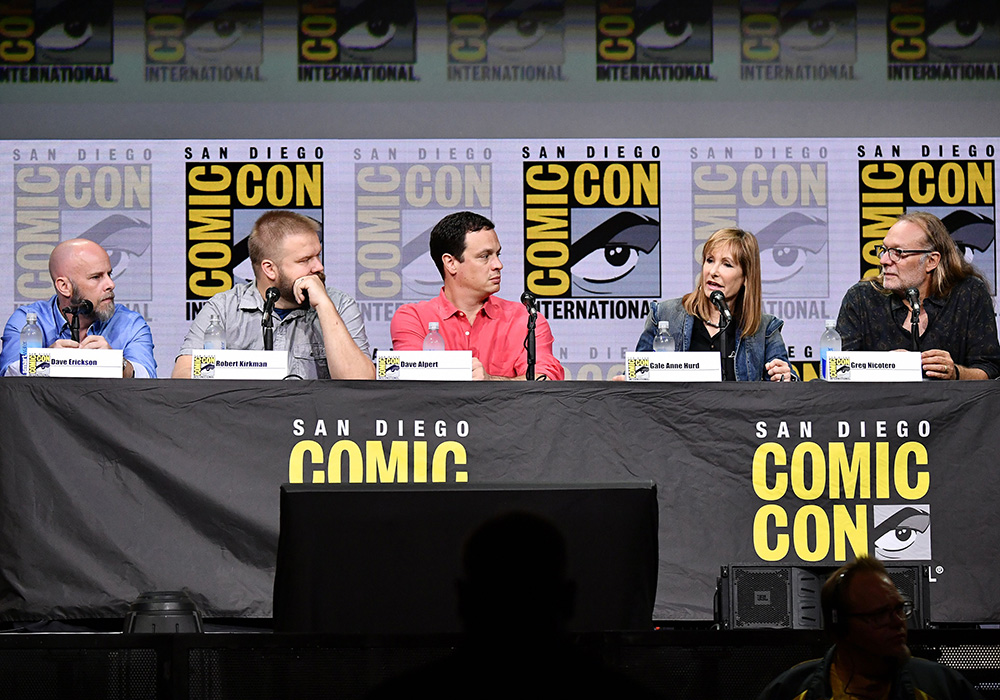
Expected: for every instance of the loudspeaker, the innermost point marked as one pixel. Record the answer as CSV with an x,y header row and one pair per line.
x,y
788,597
913,583
753,597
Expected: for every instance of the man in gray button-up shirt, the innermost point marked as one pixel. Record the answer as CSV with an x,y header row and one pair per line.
x,y
320,327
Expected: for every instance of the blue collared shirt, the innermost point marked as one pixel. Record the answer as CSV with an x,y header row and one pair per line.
x,y
126,331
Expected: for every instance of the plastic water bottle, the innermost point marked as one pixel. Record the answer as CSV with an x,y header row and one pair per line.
x,y
214,339
433,340
31,337
663,342
829,341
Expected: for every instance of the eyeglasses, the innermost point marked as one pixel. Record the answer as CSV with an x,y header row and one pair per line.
x,y
897,254
883,616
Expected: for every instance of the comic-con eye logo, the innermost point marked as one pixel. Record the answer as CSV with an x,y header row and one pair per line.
x,y
809,32
654,32
518,32
785,204
944,31
592,229
902,532
53,32
214,33
359,32
960,193
840,368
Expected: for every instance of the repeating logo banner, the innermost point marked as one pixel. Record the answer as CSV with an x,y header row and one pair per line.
x,y
224,199
652,40
592,234
960,192
784,202
804,40
203,41
61,195
518,40
52,41
398,200
943,40
357,41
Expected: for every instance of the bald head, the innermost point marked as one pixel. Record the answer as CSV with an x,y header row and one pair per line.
x,y
69,255
81,269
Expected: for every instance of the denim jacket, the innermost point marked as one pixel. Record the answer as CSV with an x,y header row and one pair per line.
x,y
752,353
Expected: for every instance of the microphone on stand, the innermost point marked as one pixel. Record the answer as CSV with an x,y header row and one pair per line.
x,y
528,299
271,296
913,296
84,307
719,300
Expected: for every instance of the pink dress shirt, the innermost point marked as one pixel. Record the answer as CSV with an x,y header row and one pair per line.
x,y
496,337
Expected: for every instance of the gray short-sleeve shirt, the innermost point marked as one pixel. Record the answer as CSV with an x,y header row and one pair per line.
x,y
240,310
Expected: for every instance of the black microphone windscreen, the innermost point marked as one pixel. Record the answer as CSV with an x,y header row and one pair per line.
x,y
86,306
272,294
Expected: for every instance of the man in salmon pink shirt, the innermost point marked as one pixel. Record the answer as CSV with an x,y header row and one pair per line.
x,y
466,250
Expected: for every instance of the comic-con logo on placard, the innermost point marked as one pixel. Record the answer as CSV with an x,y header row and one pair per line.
x,y
959,192
638,369
388,367
592,234
840,369
785,204
831,493
192,41
505,40
357,40
56,41
62,196
801,40
943,40
654,40
224,200
397,203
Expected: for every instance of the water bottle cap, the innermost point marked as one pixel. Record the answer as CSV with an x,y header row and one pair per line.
x,y
432,326
31,318
831,323
664,325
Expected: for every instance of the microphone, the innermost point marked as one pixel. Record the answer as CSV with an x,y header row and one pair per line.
x,y
84,307
528,299
271,296
719,300
913,295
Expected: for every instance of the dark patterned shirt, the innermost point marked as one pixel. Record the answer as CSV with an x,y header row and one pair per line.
x,y
963,323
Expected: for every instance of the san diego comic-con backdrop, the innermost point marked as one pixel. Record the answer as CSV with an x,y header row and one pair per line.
x,y
607,140
597,230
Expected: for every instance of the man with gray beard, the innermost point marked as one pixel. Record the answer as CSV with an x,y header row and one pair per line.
x,y
81,272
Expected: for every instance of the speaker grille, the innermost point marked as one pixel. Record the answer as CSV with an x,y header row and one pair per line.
x,y
762,597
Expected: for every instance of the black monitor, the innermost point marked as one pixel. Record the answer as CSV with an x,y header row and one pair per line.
x,y
385,559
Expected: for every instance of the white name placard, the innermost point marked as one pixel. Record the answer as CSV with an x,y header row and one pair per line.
x,y
874,366
441,365
239,364
74,362
673,367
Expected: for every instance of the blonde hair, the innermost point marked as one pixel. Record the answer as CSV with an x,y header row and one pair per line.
x,y
746,250
271,229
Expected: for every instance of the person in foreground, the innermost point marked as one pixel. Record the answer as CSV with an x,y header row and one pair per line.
x,y
957,327
515,600
731,266
466,250
320,327
866,616
81,271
